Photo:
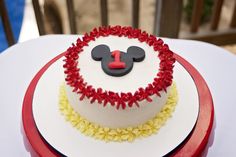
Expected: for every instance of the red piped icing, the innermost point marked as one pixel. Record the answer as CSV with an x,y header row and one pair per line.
x,y
162,80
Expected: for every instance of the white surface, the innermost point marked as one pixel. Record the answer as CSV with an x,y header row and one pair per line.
x,y
19,63
139,76
46,113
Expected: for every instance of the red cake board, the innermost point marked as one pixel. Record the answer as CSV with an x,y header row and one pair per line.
x,y
193,146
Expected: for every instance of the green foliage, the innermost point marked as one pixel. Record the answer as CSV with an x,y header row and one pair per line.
x,y
207,10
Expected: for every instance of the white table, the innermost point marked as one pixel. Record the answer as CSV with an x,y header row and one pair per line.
x,y
19,64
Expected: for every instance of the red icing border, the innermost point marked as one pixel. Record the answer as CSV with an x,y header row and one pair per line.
x,y
162,80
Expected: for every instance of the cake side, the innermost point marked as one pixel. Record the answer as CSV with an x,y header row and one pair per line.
x,y
110,117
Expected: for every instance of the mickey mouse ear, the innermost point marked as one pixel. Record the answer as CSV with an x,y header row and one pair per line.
x,y
137,53
99,51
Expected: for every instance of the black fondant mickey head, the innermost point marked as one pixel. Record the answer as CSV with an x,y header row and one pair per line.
x,y
117,63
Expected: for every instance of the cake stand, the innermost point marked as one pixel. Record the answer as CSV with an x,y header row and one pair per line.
x,y
193,145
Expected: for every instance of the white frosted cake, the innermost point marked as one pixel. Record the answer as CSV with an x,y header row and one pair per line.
x,y
118,78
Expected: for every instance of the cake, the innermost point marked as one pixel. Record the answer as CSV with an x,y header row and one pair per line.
x,y
118,84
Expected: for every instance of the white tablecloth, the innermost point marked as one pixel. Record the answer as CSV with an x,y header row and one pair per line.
x,y
19,64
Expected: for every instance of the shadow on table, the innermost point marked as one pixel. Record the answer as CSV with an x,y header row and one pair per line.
x,y
211,139
27,144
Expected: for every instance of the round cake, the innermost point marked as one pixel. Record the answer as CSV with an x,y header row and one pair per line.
x,y
118,78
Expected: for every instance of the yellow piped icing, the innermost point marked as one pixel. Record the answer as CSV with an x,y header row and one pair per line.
x,y
124,134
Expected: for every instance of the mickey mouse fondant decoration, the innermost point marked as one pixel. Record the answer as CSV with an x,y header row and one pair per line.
x,y
117,63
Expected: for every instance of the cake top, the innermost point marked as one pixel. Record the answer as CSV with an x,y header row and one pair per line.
x,y
134,58
122,57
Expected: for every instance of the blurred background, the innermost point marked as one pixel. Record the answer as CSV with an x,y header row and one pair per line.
x,y
213,21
